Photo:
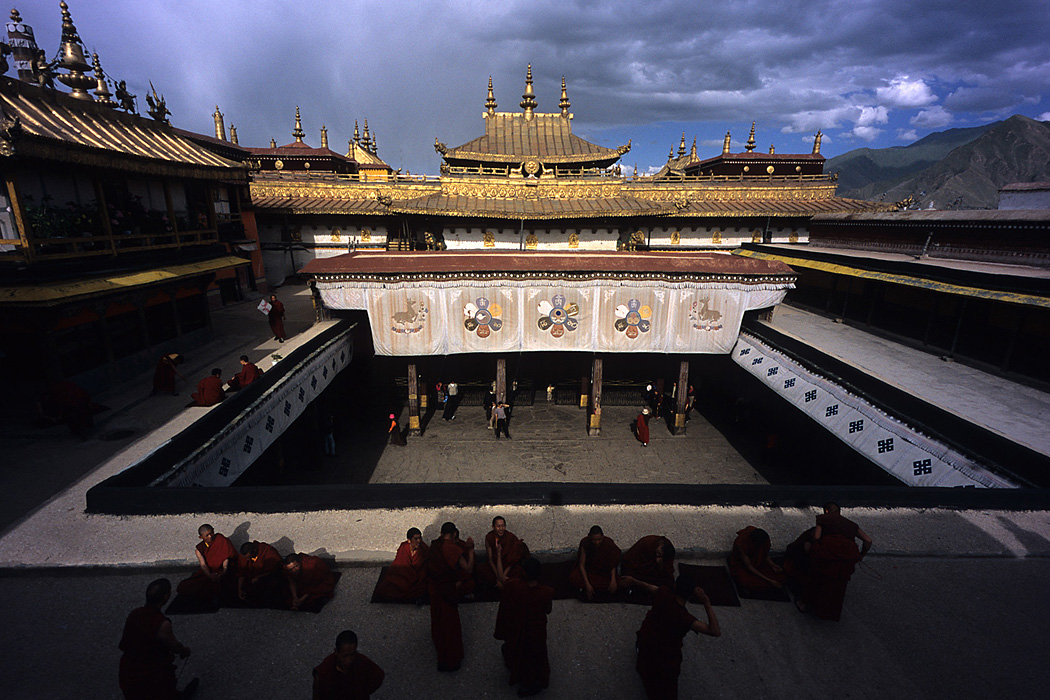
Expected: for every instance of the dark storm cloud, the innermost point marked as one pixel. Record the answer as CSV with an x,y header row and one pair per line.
x,y
860,70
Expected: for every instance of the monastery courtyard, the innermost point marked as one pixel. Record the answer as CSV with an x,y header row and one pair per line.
x,y
950,603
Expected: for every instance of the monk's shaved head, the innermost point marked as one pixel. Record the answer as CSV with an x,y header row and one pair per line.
x,y
346,637
205,529
448,528
596,530
158,591
683,587
412,532
831,507
531,567
250,549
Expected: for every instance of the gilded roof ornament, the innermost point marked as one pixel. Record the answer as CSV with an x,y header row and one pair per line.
x,y
528,100
350,149
440,147
220,126
298,132
816,142
158,108
233,135
670,154
750,146
324,136
15,17
564,103
375,145
725,143
490,101
692,151
125,98
622,150
357,134
772,150
273,143
102,93
366,138
73,60
681,146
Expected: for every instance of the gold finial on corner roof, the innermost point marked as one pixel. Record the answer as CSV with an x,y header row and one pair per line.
x,y
73,60
772,150
670,154
324,136
350,149
220,127
375,145
15,17
273,143
298,132
750,146
681,146
528,100
490,101
725,143
564,103
692,151
233,135
357,134
816,142
102,93
366,138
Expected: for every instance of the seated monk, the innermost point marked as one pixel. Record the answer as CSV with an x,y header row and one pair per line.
x,y
749,563
310,580
214,574
466,582
505,552
650,559
164,375
597,559
209,390
248,374
832,558
406,579
259,580
346,674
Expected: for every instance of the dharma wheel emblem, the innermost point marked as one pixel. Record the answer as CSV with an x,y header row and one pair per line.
x,y
482,317
531,167
633,318
557,316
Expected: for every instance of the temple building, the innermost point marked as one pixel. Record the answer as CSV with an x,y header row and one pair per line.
x,y
120,232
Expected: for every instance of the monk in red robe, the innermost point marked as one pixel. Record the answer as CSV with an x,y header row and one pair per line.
x,y
276,318
641,425
259,580
310,580
66,402
248,374
214,574
147,668
659,641
505,552
209,390
597,558
521,623
749,563
446,564
164,375
406,579
346,674
651,560
833,556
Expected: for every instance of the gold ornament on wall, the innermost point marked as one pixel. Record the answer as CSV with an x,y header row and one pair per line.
x,y
531,242
716,238
676,237
490,239
756,236
793,238
574,240
336,235
366,236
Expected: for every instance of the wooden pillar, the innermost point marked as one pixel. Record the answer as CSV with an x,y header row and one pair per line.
x,y
424,392
594,428
413,401
585,389
681,398
501,379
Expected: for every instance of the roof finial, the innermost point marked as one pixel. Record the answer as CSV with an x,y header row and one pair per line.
x,y
725,144
324,136
73,59
375,146
490,102
528,100
816,142
692,151
357,134
772,150
102,93
273,143
350,149
670,154
564,104
750,146
366,139
298,131
233,135
220,127
681,146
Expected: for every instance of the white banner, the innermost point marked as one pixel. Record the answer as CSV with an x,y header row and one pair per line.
x,y
437,318
898,449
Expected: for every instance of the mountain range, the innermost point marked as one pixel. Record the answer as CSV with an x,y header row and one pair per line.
x,y
953,169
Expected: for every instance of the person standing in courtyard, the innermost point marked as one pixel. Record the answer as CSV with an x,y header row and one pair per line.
x,y
165,373
346,674
446,562
500,411
451,401
521,623
276,318
147,667
641,426
833,556
395,436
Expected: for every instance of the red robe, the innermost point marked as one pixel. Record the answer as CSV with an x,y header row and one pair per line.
x,y
601,564
164,376
659,644
248,374
266,567
832,560
314,580
515,551
642,424
147,669
640,562
521,623
406,579
209,391
759,557
445,629
363,679
198,585
276,319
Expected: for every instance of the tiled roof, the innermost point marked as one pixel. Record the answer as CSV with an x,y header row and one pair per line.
x,y
318,205
531,208
513,138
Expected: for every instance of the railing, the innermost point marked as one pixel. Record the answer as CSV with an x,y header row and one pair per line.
x,y
58,248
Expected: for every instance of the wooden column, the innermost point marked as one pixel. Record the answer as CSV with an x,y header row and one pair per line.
x,y
681,398
413,401
585,389
424,392
594,428
501,379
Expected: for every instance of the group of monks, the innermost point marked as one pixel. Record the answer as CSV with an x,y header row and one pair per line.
x,y
211,391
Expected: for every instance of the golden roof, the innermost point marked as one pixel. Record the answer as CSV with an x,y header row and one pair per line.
x,y
532,208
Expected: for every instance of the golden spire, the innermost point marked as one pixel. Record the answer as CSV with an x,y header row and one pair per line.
x,y
298,131
273,143
220,127
349,149
564,103
692,151
670,154
73,59
490,102
528,100
366,139
772,150
357,134
233,135
375,145
681,146
102,93
725,144
816,142
636,171
750,147
324,136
